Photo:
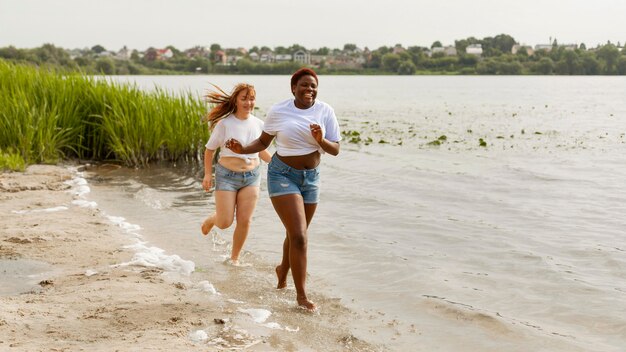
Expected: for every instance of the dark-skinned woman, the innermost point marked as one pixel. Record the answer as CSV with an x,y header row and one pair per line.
x,y
304,129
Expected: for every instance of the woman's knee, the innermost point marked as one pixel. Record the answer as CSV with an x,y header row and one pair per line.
x,y
298,240
244,221
223,223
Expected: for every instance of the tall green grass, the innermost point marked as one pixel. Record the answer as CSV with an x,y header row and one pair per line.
x,y
47,116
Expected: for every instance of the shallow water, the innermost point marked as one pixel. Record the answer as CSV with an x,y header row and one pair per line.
x,y
22,275
518,245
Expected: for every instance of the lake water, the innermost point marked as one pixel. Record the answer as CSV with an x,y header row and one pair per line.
x,y
515,245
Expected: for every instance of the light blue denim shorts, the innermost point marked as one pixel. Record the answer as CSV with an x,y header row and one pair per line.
x,y
283,179
228,180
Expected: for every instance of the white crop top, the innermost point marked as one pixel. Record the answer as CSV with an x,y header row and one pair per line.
x,y
245,131
291,127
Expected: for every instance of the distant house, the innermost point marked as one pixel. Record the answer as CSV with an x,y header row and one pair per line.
x,y
436,50
197,51
232,59
546,47
569,47
283,58
267,57
123,54
517,48
398,49
254,56
447,51
316,60
474,49
74,53
164,54
220,57
302,57
342,61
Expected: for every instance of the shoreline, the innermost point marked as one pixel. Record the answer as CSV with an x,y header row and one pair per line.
x,y
92,288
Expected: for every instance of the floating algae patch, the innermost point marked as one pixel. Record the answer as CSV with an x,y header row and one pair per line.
x,y
21,275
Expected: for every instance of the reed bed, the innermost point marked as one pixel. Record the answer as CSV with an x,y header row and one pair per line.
x,y
48,116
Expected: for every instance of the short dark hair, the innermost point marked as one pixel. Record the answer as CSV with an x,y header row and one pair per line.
x,y
305,71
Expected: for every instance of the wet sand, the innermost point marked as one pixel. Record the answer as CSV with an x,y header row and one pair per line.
x,y
66,290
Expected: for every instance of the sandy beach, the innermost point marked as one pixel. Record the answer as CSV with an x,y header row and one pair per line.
x,y
72,282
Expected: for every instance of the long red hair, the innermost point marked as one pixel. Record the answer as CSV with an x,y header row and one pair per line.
x,y
223,103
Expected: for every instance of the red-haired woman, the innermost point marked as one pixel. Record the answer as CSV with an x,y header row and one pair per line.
x,y
304,129
237,176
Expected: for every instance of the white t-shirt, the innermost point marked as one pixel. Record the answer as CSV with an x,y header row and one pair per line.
x,y
291,127
245,131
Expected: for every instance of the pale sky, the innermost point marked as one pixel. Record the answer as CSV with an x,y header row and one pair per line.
x,y
140,24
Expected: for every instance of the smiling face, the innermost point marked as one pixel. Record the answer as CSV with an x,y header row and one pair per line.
x,y
305,92
245,102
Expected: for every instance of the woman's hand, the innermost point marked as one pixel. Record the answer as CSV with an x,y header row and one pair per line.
x,y
316,132
234,145
206,183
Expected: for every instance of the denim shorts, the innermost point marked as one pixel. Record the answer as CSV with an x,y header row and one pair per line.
x,y
283,179
228,180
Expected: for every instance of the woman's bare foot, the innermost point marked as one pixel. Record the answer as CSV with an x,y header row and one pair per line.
x,y
207,225
307,305
282,277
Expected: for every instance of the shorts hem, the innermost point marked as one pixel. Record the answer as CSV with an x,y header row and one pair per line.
x,y
298,193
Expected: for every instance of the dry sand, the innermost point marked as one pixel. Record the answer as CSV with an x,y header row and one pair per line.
x,y
80,299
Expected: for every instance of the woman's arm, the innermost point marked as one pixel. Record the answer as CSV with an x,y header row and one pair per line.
x,y
329,147
255,146
208,169
265,156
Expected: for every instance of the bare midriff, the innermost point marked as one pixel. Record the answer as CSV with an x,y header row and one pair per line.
x,y
302,162
239,164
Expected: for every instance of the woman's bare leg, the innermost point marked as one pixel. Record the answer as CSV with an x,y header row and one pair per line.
x,y
282,270
293,214
245,204
224,211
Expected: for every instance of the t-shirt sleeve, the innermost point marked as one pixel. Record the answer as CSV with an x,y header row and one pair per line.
x,y
217,137
332,132
270,126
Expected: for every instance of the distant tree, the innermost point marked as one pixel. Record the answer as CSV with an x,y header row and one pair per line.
x,y
609,56
295,47
375,60
281,50
150,55
105,66
468,60
10,52
321,51
349,47
572,62
406,68
417,55
503,42
509,68
215,47
384,50
98,49
545,66
391,62
621,65
487,67
436,44
591,66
